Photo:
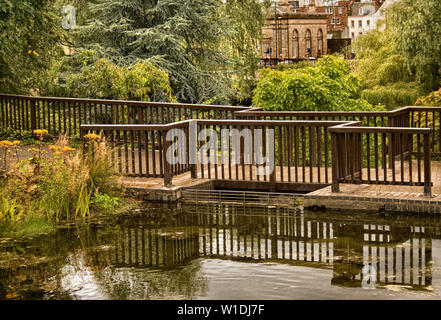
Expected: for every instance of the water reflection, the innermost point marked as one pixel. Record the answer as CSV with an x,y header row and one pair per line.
x,y
163,254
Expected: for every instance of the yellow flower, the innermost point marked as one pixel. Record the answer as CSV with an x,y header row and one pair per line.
x,y
67,149
92,136
36,53
40,132
16,143
53,148
5,144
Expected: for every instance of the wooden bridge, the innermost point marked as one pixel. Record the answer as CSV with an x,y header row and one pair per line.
x,y
312,150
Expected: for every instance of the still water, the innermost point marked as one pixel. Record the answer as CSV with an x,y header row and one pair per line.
x,y
224,252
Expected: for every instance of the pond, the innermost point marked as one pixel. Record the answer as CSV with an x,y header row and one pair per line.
x,y
226,252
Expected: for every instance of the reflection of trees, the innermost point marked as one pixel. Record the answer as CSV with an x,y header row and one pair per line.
x,y
151,257
184,282
31,269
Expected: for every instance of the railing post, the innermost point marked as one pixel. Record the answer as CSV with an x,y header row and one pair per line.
x,y
272,177
335,164
168,175
391,124
427,167
194,172
33,115
83,140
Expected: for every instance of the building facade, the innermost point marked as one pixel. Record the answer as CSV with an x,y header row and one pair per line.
x,y
295,34
363,17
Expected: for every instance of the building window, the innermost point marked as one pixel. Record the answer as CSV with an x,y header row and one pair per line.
x,y
352,23
360,23
295,44
340,10
368,23
329,11
295,3
308,41
338,21
320,42
266,46
361,11
352,35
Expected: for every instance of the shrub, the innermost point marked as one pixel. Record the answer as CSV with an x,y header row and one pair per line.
x,y
103,79
392,96
326,86
433,99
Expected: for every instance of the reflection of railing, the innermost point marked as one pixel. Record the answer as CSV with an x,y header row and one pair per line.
x,y
399,254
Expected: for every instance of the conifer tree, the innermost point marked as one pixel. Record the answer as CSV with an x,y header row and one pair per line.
x,y
183,38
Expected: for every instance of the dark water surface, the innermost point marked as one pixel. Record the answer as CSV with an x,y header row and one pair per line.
x,y
218,252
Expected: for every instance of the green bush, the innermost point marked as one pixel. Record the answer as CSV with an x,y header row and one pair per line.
x,y
433,99
325,86
392,96
103,79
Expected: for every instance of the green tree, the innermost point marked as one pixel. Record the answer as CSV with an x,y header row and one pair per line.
x,y
325,86
385,77
183,38
247,19
417,33
30,34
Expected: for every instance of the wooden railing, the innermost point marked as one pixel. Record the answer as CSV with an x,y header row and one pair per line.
x,y
140,150
428,117
302,155
65,115
414,117
369,145
388,156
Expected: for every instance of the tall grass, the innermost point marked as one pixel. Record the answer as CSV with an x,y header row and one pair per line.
x,y
59,184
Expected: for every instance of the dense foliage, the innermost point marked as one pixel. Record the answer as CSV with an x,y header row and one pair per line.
x,y
401,60
180,37
417,34
30,31
55,184
433,99
246,19
385,78
102,79
325,86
